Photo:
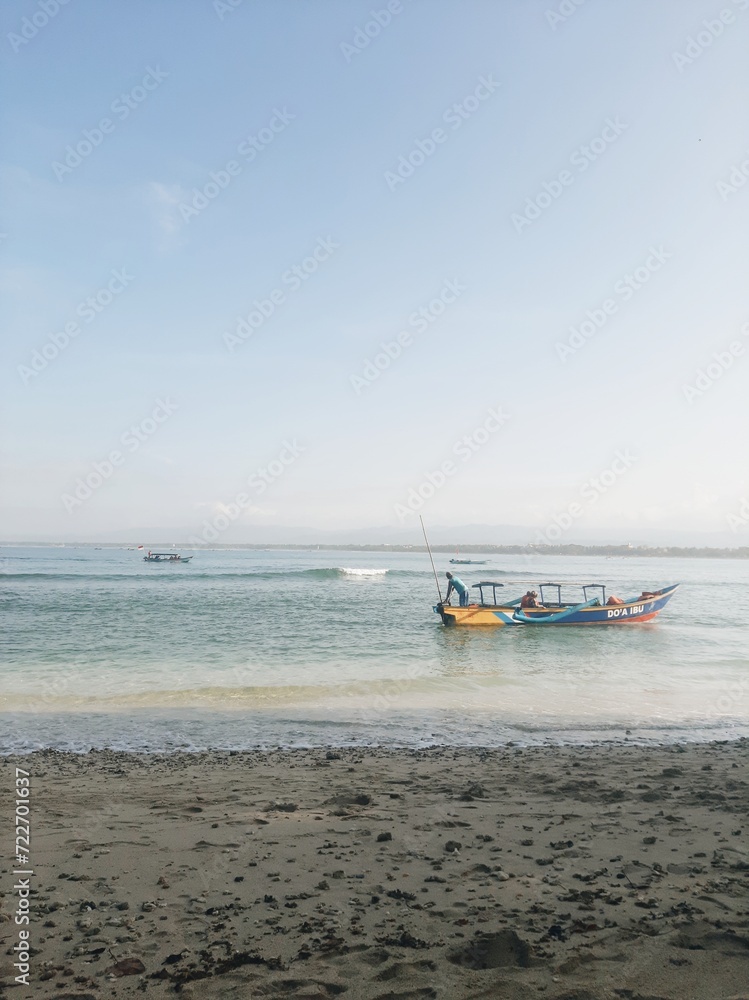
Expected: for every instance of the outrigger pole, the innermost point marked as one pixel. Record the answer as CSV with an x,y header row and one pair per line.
x,y
436,580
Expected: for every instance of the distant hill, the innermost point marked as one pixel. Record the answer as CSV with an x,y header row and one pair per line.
x,y
668,551
468,538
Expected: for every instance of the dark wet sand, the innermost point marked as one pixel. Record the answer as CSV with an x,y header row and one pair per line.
x,y
577,873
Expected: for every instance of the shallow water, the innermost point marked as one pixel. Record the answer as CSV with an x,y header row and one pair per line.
x,y
240,649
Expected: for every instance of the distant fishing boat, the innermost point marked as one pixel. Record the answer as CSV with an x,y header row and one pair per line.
x,y
170,557
551,609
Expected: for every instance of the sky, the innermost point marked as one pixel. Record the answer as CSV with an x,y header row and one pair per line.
x,y
270,264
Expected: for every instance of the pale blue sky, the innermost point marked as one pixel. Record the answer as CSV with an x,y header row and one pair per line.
x,y
323,176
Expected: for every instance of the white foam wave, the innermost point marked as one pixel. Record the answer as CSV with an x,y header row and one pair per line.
x,y
351,571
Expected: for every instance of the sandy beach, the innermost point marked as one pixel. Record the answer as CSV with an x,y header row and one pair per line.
x,y
570,873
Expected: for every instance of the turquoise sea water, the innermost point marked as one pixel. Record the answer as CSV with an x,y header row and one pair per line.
x,y
246,648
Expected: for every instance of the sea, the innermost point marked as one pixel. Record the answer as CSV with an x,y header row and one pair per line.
x,y
241,649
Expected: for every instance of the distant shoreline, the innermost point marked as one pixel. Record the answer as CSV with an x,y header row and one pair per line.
x,y
667,551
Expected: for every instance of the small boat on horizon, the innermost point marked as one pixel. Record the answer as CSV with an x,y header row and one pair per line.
x,y
550,609
170,557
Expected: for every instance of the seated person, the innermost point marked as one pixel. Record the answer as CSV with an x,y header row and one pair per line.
x,y
454,584
615,600
530,600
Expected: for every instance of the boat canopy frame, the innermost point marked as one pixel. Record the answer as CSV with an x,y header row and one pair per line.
x,y
488,583
595,586
550,594
558,603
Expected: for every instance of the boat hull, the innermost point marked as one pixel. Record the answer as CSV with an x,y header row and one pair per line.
x,y
631,612
167,559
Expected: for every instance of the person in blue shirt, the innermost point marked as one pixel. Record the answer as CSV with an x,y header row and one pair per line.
x,y
460,589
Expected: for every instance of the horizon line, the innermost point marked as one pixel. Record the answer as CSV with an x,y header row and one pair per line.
x,y
474,548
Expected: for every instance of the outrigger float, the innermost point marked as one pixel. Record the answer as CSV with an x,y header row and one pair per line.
x,y
593,610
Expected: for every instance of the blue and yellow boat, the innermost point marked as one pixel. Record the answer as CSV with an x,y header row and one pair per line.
x,y
595,608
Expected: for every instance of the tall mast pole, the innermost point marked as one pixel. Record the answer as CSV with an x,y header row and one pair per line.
x,y
436,580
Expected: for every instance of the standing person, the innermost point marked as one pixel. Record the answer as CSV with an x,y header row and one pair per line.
x,y
460,589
